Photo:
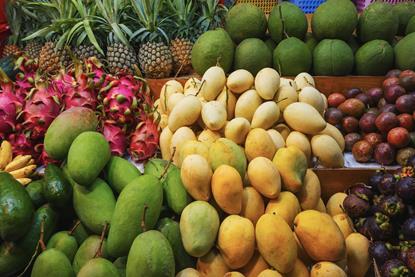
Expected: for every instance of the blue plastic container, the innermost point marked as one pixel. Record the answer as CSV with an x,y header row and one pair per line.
x,y
308,6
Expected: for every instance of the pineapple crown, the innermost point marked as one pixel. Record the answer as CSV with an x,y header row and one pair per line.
x,y
212,14
152,24
184,12
14,17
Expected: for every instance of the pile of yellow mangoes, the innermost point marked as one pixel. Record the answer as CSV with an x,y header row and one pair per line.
x,y
244,144
21,167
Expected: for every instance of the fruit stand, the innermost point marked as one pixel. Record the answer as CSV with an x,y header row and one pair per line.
x,y
191,138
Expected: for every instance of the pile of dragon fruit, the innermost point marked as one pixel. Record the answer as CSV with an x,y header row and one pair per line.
x,y
384,211
30,103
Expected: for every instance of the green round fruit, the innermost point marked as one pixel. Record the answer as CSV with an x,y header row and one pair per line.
x,y
253,55
310,41
291,57
334,20
333,57
295,22
404,53
211,48
377,21
410,28
245,21
354,44
374,58
270,44
404,12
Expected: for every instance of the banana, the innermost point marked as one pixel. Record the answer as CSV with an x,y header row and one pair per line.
x,y
32,161
18,162
6,154
23,172
24,181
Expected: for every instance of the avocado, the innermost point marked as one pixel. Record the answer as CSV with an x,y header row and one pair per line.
x,y
35,191
56,188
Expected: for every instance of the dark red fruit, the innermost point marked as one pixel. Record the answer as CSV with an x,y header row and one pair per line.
x,y
335,99
405,103
393,73
375,94
351,93
373,138
350,124
367,123
362,151
406,121
353,107
380,251
373,110
410,258
395,267
333,116
389,108
398,137
361,190
405,188
407,80
355,206
390,82
350,139
384,154
393,92
364,98
408,229
386,121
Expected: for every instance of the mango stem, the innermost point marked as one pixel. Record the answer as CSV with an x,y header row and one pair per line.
x,y
101,242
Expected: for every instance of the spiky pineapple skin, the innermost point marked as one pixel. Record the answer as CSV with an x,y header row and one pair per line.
x,y
181,51
32,49
85,51
52,59
121,58
155,60
10,49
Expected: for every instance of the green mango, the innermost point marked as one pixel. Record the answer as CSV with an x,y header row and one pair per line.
x,y
65,128
87,157
80,233
98,267
64,242
35,191
199,225
56,188
150,256
171,230
121,264
119,172
88,250
15,256
130,213
52,263
174,191
155,167
95,205
16,208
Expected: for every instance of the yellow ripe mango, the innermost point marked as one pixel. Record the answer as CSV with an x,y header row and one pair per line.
x,y
192,83
178,139
228,99
313,97
165,142
264,177
327,151
236,241
237,129
300,270
164,121
213,82
314,230
258,143
304,118
196,175
252,204
310,193
266,115
276,243
212,264
358,259
208,136
193,147
334,133
170,87
303,80
285,96
320,206
301,253
188,272
256,265
227,189
185,112
267,82
291,163
247,104
240,80
301,142
173,100
234,274
345,224
276,138
214,115
286,206
287,82
283,129
335,203
327,269
269,273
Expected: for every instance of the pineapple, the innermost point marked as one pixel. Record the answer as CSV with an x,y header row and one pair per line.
x,y
14,17
154,54
52,58
121,57
211,16
32,49
85,51
11,50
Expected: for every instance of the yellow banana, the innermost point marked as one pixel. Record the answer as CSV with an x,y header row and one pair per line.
x,y
17,163
24,181
32,161
6,154
23,172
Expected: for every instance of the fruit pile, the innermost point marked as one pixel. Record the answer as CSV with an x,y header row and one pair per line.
x,y
155,37
378,124
383,211
341,42
266,115
30,104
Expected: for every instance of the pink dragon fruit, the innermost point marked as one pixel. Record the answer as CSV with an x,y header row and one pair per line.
x,y
115,135
40,110
144,140
10,106
21,143
78,92
25,79
42,157
120,104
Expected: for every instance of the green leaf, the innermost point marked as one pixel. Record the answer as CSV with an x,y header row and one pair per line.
x,y
92,37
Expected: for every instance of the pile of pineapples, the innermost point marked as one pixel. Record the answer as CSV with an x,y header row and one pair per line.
x,y
153,36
